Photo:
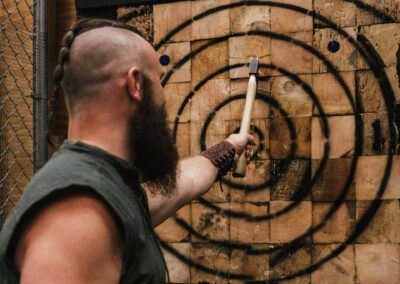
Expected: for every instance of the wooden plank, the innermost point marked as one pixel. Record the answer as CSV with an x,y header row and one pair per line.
x,y
261,109
216,258
88,4
175,94
368,11
214,25
207,98
255,265
293,262
328,186
166,19
339,269
291,96
171,231
244,231
342,137
369,176
345,59
175,52
340,12
257,173
377,263
209,60
337,228
179,272
287,176
369,91
242,48
385,39
331,94
286,228
376,134
288,21
301,61
281,140
209,223
384,227
250,18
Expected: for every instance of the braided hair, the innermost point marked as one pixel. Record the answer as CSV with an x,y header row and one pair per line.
x,y
79,27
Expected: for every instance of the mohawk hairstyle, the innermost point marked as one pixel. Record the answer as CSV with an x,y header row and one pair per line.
x,y
79,27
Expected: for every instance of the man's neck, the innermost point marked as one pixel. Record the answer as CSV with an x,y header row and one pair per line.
x,y
111,137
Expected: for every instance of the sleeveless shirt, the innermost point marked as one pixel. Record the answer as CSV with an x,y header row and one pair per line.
x,y
75,166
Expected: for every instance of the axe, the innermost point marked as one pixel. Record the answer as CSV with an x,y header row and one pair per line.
x,y
240,170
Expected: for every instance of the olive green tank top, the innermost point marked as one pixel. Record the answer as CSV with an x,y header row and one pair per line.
x,y
76,166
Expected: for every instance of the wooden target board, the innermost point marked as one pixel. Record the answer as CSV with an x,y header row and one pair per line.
x,y
320,202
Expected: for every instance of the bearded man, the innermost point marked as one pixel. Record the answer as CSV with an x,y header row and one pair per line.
x,y
84,217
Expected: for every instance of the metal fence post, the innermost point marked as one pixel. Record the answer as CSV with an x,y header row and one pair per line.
x,y
40,102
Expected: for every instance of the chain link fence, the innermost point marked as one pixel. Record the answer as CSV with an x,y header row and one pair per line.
x,y
17,30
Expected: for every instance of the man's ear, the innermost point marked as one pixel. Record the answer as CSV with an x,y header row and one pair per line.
x,y
134,82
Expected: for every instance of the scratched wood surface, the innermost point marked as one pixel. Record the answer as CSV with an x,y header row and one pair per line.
x,y
320,202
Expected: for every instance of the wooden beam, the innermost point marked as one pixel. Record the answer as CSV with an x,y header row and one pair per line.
x,y
90,4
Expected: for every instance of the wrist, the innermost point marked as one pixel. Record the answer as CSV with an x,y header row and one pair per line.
x,y
221,156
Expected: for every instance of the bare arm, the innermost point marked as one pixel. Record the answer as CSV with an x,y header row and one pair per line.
x,y
72,240
196,176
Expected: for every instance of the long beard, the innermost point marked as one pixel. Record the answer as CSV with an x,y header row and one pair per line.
x,y
155,152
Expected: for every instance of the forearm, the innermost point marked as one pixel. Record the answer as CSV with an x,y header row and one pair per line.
x,y
198,175
195,177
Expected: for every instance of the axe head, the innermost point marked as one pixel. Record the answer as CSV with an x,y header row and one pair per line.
x,y
253,66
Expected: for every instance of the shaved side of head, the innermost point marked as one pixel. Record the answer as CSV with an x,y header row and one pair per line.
x,y
97,58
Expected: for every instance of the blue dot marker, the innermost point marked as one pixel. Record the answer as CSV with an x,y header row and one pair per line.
x,y
333,46
164,60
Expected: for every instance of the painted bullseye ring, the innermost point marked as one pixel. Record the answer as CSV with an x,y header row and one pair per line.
x,y
259,97
305,187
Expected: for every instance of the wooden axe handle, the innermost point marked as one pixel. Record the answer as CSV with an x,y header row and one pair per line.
x,y
240,170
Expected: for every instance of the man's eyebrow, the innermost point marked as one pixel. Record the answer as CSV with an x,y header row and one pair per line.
x,y
162,75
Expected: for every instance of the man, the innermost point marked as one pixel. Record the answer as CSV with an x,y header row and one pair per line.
x,y
84,218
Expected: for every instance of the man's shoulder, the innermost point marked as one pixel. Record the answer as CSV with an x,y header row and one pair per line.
x,y
67,161
95,237
64,172
66,167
